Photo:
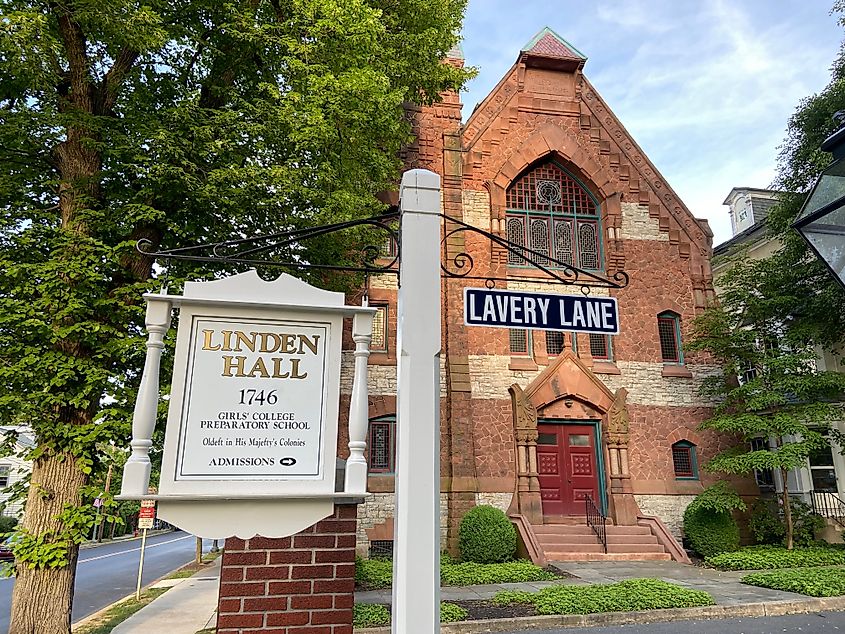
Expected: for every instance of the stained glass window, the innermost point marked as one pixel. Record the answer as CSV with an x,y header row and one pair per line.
x,y
560,215
516,235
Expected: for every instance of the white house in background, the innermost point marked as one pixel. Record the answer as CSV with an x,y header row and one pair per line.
x,y
14,469
822,481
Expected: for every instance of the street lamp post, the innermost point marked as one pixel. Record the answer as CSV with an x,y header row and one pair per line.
x,y
821,221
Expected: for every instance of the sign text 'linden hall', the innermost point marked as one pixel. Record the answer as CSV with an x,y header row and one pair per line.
x,y
255,400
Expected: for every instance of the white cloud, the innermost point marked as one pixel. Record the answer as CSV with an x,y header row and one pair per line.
x,y
705,88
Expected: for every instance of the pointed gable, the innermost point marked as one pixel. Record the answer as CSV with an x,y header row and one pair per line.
x,y
547,49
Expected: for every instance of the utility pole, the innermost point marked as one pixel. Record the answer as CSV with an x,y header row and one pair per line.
x,y
199,550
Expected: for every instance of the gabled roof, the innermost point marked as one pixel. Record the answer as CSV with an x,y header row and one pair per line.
x,y
548,44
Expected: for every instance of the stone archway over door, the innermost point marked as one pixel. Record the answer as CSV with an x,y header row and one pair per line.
x,y
567,391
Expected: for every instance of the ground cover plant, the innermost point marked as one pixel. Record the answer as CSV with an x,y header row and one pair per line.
x,y
375,615
815,582
773,558
378,573
624,596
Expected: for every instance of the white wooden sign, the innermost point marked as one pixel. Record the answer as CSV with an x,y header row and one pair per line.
x,y
252,424
255,389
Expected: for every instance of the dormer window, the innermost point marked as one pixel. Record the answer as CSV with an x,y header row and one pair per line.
x,y
550,212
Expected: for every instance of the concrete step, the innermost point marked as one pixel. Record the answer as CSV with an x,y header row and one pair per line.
x,y
559,529
635,548
554,556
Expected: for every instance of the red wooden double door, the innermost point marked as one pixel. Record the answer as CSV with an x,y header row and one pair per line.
x,y
567,467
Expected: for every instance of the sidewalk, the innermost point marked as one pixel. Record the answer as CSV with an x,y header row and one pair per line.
x,y
190,605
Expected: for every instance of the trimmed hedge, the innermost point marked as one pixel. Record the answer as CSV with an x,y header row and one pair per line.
x,y
486,536
710,532
773,557
378,573
815,582
624,596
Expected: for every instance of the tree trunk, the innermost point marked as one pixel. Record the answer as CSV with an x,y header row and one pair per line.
x,y
43,597
787,509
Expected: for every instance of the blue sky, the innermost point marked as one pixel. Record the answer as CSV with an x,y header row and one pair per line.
x,y
705,87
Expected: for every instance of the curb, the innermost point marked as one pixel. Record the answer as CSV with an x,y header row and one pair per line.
x,y
772,608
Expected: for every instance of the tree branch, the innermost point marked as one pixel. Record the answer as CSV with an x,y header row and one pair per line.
x,y
113,79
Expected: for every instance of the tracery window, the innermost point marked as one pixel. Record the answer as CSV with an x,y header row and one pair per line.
x,y
552,214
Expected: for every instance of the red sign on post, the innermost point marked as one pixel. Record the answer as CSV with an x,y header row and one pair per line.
x,y
147,514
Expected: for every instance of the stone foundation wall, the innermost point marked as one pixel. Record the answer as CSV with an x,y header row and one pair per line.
x,y
500,500
381,507
668,508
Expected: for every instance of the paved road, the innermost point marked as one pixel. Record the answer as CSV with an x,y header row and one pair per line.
x,y
823,622
109,572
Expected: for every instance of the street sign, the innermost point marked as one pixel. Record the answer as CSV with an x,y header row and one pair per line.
x,y
540,311
147,514
98,502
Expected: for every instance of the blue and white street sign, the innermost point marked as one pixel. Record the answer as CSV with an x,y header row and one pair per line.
x,y
540,311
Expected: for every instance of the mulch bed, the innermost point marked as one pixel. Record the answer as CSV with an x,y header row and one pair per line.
x,y
479,610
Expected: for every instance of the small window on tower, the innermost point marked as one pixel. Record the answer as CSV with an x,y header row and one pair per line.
x,y
684,460
669,331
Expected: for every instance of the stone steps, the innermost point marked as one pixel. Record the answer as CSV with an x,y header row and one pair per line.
x,y
570,542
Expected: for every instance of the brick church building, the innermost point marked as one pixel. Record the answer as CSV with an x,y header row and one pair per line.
x,y
534,421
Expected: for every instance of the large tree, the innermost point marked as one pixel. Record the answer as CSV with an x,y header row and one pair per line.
x,y
178,121
776,313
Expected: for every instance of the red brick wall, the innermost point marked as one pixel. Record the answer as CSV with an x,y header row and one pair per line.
x,y
302,584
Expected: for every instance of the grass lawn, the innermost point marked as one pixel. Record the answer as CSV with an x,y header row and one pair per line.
x,y
118,613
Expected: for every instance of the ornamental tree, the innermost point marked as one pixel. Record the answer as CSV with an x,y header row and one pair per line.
x,y
180,123
775,314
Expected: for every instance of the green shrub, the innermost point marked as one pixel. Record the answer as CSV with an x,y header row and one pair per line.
x,y
624,596
805,523
773,557
449,613
708,524
764,523
486,536
378,573
7,524
768,526
711,532
370,615
472,574
815,582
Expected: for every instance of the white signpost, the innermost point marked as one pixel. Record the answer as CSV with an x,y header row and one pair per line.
x,y
252,421
251,433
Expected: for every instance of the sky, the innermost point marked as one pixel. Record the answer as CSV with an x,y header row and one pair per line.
x,y
705,87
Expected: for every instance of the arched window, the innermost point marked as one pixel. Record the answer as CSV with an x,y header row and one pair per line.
x,y
551,213
669,331
684,460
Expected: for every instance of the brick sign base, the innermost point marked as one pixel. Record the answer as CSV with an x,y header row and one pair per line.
x,y
293,585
